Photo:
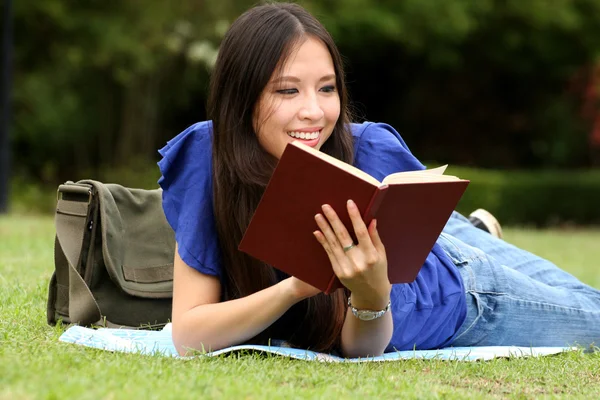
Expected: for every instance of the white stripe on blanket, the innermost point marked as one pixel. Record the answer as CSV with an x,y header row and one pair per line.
x,y
160,343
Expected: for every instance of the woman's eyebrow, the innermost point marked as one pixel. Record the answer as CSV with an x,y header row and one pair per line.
x,y
327,77
297,80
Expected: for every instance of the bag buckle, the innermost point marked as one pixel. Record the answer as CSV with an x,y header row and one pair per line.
x,y
74,188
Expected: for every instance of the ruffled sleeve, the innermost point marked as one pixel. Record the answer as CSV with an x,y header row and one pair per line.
x,y
380,150
186,168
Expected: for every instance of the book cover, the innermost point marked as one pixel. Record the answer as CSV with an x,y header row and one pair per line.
x,y
410,216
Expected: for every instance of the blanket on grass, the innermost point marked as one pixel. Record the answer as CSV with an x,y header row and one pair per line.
x,y
160,343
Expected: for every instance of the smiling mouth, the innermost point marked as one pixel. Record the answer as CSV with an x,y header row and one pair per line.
x,y
305,135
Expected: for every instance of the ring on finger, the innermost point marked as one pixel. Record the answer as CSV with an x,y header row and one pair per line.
x,y
346,248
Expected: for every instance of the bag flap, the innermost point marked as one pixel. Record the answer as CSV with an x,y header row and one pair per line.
x,y
138,244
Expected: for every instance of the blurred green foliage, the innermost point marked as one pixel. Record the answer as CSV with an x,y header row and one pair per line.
x,y
29,197
98,83
495,83
539,198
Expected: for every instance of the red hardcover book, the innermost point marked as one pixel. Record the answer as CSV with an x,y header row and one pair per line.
x,y
411,209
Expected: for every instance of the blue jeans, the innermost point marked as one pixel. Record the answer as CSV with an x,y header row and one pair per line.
x,y
515,297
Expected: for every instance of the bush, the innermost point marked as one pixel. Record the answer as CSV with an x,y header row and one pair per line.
x,y
490,83
540,198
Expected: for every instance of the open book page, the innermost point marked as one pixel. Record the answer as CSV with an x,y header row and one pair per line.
x,y
340,164
426,175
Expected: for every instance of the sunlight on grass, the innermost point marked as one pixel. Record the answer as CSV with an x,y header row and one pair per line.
x,y
576,251
35,365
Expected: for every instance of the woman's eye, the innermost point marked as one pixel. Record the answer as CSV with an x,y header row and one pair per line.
x,y
287,91
328,89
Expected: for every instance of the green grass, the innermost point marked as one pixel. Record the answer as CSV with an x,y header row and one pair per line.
x,y
34,365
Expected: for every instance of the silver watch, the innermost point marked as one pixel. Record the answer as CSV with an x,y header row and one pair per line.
x,y
368,315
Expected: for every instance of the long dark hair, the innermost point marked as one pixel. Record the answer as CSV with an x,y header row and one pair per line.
x,y
255,46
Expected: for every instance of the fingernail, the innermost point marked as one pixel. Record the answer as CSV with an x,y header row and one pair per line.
x,y
351,203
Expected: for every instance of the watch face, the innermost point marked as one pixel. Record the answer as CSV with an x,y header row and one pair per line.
x,y
367,315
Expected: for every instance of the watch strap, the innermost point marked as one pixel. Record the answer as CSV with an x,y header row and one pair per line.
x,y
368,315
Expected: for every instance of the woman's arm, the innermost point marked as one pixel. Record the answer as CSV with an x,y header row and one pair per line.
x,y
201,322
362,268
366,338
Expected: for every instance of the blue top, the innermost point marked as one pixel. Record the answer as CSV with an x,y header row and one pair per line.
x,y
427,313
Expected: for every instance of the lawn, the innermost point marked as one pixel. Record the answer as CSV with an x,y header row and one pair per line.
x,y
34,365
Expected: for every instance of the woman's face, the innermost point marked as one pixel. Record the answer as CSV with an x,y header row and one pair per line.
x,y
300,103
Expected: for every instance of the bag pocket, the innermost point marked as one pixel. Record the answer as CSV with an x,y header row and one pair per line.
x,y
138,244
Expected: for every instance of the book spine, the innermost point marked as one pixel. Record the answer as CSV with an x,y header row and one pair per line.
x,y
374,204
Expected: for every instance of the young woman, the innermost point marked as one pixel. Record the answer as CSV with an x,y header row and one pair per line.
x,y
279,78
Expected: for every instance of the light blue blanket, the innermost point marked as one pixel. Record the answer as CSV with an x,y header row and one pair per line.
x,y
160,343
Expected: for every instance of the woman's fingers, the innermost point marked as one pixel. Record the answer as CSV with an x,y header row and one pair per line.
x,y
363,269
329,235
325,237
360,229
341,233
375,239
333,259
323,241
363,234
340,236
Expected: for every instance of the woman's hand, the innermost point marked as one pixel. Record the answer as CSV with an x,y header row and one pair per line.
x,y
361,267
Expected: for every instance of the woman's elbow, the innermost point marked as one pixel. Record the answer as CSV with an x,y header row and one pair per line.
x,y
188,341
180,341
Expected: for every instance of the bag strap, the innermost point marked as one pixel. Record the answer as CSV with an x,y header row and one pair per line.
x,y
71,225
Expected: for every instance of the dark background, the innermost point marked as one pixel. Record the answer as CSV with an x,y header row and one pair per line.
x,y
99,86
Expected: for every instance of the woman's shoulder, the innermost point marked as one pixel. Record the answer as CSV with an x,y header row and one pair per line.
x,y
377,133
194,140
380,150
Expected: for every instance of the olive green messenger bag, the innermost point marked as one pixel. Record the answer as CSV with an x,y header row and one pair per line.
x,y
113,257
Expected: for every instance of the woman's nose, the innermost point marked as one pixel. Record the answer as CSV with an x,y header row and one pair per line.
x,y
311,109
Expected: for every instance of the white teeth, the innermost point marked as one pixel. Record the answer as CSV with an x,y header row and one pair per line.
x,y
304,135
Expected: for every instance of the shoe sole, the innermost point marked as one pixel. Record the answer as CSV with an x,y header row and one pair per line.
x,y
490,222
